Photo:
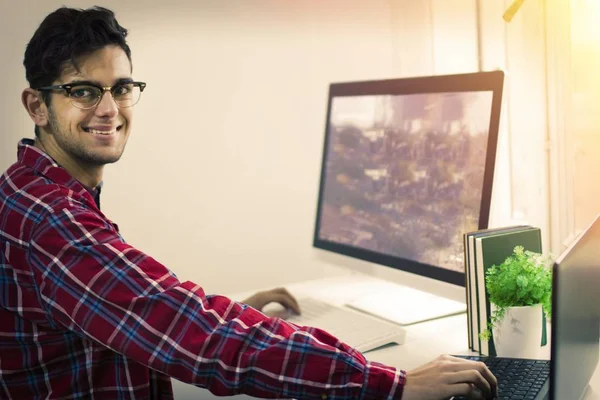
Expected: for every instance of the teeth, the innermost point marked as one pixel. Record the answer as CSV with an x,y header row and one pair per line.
x,y
102,132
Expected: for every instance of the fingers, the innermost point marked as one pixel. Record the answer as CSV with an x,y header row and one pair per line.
x,y
474,377
468,390
475,372
279,295
283,297
489,377
448,376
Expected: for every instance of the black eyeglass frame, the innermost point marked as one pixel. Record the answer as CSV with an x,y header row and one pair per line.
x,y
69,86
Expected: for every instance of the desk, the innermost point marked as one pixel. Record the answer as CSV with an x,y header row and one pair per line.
x,y
424,341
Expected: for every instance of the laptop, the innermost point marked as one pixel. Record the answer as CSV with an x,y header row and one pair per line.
x,y
575,331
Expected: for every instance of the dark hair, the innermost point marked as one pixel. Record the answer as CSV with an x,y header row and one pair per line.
x,y
64,36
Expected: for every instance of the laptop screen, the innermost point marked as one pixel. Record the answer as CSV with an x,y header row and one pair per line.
x,y
576,315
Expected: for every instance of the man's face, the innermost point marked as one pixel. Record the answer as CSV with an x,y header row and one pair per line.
x,y
96,136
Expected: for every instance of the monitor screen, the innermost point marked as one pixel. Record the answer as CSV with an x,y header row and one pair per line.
x,y
407,170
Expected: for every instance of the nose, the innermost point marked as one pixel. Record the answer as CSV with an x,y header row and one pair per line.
x,y
107,106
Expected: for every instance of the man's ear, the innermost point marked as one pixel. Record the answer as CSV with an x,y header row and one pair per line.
x,y
35,106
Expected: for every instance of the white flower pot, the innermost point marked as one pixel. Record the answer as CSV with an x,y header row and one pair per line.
x,y
519,333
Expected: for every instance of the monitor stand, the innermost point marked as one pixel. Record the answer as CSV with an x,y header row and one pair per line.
x,y
403,305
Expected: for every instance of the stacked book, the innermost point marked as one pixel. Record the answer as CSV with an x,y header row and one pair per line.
x,y
483,249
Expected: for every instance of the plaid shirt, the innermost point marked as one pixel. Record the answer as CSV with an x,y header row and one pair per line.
x,y
85,315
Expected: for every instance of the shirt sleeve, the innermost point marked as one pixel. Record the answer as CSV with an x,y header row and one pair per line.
x,y
94,284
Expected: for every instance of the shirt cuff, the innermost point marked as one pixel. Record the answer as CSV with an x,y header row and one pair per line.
x,y
383,382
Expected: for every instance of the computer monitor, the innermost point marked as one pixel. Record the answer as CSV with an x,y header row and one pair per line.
x,y
407,168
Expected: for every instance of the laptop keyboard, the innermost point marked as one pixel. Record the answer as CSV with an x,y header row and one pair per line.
x,y
517,378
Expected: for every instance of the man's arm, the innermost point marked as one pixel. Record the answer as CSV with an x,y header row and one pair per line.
x,y
97,286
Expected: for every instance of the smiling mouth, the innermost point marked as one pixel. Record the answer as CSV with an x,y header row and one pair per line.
x,y
103,132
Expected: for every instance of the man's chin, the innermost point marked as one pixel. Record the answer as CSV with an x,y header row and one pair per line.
x,y
99,160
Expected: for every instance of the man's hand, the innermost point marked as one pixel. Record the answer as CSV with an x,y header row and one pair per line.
x,y
448,376
279,295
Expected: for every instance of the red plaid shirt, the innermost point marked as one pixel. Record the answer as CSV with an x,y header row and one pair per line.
x,y
85,315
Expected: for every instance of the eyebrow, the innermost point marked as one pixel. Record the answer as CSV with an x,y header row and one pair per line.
x,y
119,81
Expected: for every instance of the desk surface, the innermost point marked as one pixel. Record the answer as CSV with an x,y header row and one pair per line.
x,y
424,341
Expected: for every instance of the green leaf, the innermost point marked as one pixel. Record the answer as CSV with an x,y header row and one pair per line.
x,y
524,278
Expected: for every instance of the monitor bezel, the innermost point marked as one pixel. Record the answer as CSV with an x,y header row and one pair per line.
x,y
471,82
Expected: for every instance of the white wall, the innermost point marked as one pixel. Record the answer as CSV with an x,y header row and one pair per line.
x,y
219,180
585,117
573,43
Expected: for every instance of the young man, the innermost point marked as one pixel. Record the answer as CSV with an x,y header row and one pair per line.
x,y
85,315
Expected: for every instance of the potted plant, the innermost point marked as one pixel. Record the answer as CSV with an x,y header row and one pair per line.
x,y
520,294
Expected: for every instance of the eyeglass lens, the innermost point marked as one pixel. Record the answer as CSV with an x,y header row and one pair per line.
x,y
85,96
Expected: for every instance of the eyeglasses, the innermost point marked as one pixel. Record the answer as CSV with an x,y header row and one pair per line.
x,y
87,95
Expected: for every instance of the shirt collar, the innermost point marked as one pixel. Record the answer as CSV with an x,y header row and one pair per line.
x,y
31,156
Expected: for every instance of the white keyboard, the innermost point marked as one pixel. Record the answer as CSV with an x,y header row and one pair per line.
x,y
356,329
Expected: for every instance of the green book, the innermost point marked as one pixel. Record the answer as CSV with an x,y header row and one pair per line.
x,y
472,297
493,250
